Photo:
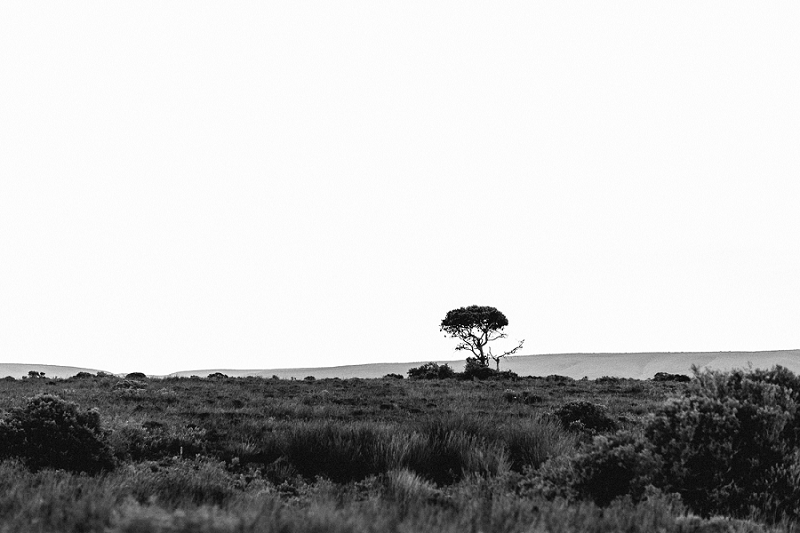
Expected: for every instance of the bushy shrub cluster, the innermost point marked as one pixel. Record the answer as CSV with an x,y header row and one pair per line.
x,y
666,376
49,432
431,371
585,416
610,467
475,370
153,441
730,445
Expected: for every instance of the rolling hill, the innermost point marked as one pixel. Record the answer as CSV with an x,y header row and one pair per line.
x,y
18,370
575,365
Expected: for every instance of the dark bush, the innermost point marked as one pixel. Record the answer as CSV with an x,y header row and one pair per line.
x,y
585,416
558,379
666,376
136,375
392,376
511,396
530,398
49,432
83,375
129,384
217,375
476,371
729,446
431,371
605,469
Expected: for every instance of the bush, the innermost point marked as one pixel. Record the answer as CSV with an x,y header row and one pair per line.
x,y
585,416
730,444
154,440
393,376
181,483
609,467
431,371
666,376
52,433
475,370
556,378
136,375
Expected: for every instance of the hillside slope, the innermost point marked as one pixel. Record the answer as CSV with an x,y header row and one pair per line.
x,y
576,365
18,370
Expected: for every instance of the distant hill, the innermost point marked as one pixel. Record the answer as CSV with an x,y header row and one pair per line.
x,y
18,370
574,365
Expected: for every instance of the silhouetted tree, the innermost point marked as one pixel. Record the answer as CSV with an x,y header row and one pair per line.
x,y
476,326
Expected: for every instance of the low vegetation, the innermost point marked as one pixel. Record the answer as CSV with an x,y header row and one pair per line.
x,y
439,452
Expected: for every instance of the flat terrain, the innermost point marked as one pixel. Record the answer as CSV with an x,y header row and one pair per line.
x,y
574,365
239,455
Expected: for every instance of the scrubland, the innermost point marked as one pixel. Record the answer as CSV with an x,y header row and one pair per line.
x,y
107,454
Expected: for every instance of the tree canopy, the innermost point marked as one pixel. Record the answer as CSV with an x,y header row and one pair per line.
x,y
476,326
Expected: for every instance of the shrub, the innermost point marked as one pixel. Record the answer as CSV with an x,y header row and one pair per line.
x,y
730,444
217,375
510,396
154,440
431,371
49,432
136,375
558,378
666,376
605,469
585,416
530,398
181,483
393,376
476,371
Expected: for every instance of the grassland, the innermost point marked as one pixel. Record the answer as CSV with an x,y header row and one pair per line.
x,y
254,454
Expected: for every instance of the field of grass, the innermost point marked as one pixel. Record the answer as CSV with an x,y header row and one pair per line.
x,y
253,454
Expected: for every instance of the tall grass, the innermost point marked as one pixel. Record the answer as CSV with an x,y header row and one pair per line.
x,y
51,501
441,448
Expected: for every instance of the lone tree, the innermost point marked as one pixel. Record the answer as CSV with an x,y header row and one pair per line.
x,y
476,326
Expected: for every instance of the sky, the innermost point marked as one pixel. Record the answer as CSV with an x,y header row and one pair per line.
x,y
245,185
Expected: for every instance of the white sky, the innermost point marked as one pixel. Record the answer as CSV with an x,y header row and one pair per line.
x,y
188,185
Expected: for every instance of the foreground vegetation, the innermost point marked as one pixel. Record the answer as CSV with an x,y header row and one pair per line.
x,y
217,454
